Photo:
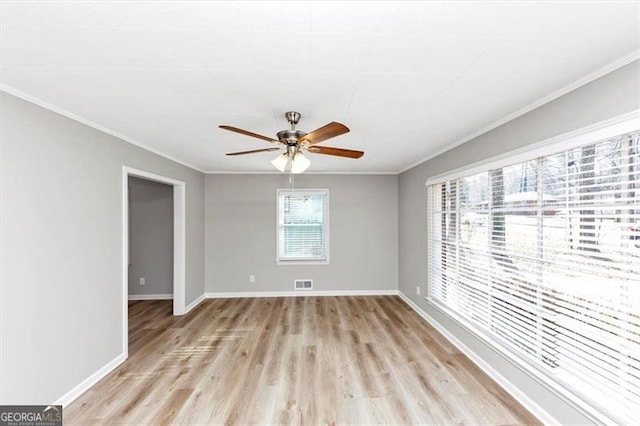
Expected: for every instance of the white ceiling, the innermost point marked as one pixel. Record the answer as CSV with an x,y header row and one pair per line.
x,y
409,78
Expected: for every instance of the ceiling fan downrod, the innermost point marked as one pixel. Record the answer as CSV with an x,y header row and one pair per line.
x,y
291,137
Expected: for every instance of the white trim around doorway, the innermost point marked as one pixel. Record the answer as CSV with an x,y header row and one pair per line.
x,y
179,245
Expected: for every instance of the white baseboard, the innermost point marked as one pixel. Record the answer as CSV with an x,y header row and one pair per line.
x,y
524,399
87,383
167,296
193,304
302,293
82,387
520,396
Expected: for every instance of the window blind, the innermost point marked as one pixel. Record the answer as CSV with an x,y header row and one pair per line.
x,y
302,225
543,258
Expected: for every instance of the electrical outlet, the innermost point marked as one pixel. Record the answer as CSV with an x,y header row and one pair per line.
x,y
418,290
143,281
252,278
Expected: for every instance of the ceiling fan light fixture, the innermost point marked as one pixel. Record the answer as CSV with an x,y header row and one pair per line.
x,y
300,163
280,162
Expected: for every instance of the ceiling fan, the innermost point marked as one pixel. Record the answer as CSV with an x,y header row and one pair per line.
x,y
297,141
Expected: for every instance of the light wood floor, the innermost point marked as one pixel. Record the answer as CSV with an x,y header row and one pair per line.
x,y
303,360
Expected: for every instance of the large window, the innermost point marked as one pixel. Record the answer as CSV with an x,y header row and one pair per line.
x,y
542,260
302,225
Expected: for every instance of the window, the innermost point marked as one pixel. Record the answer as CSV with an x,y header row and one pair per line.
x,y
302,225
541,258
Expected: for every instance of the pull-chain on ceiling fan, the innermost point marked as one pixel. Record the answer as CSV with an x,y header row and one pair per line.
x,y
297,141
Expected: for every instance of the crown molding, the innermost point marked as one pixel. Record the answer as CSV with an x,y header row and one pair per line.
x,y
625,60
287,174
75,117
634,56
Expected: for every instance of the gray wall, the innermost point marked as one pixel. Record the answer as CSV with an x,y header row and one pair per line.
x,y
240,233
61,293
607,97
150,237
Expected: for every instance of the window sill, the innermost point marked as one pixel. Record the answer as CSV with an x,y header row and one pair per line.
x,y
302,262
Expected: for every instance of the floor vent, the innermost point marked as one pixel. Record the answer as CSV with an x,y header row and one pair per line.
x,y
303,284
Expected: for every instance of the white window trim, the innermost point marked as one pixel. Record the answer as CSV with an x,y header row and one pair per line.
x,y
304,191
609,128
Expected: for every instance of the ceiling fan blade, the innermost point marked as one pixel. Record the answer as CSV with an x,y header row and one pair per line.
x,y
253,151
248,133
325,132
340,152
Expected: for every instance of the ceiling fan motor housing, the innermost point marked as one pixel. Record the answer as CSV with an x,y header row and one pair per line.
x,y
290,137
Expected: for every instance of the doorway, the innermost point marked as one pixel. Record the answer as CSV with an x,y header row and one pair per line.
x,y
150,240
179,240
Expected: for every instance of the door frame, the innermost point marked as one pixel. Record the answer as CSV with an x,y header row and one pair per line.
x,y
179,244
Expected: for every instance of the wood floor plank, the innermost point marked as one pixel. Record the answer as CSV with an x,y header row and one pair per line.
x,y
302,360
